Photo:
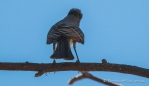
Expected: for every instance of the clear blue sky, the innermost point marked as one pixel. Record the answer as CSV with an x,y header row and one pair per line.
x,y
117,30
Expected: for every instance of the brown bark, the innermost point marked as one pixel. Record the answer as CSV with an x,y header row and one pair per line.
x,y
70,66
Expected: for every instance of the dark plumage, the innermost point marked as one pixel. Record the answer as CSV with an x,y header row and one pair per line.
x,y
64,33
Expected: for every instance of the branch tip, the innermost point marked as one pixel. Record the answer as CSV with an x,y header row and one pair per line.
x,y
39,73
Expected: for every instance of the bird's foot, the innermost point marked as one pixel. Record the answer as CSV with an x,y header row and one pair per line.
x,y
54,61
77,61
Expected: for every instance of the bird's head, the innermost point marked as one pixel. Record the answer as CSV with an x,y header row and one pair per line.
x,y
76,12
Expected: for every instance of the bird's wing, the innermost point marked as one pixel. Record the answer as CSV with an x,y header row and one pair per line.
x,y
72,33
65,31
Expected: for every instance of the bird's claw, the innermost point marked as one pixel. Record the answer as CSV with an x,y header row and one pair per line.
x,y
77,61
54,61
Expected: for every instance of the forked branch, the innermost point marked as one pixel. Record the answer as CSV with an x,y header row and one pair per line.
x,y
85,74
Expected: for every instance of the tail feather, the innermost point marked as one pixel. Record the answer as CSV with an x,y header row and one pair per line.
x,y
63,50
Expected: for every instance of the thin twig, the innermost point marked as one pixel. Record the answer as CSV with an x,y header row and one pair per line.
x,y
85,74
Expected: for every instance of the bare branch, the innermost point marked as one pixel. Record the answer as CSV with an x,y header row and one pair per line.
x,y
85,74
70,66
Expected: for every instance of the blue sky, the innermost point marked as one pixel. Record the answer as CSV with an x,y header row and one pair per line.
x,y
117,30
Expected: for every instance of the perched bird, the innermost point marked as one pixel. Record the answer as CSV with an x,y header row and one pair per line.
x,y
64,33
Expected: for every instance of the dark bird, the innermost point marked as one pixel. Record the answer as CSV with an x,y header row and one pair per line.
x,y
64,33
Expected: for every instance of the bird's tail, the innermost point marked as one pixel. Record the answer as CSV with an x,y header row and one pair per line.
x,y
63,50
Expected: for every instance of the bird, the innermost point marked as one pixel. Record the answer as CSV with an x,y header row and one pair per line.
x,y
64,33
